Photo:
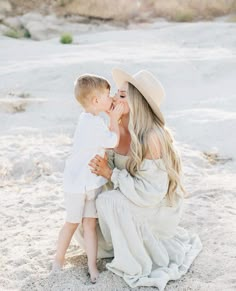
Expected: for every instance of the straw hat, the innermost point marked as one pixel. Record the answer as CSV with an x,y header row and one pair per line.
x,y
151,89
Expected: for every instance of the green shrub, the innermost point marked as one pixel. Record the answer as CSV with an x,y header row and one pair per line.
x,y
66,38
183,16
20,33
27,33
64,2
13,33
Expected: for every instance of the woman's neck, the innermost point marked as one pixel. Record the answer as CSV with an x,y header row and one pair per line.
x,y
124,144
125,121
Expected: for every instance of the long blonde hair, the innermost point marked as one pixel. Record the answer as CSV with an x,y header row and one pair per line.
x,y
143,123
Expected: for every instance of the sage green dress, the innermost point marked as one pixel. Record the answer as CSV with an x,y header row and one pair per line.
x,y
140,229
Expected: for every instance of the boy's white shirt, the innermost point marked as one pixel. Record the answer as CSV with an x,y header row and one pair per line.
x,y
91,137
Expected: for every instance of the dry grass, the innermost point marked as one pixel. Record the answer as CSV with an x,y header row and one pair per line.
x,y
18,102
25,6
128,10
105,9
214,158
232,18
173,10
182,10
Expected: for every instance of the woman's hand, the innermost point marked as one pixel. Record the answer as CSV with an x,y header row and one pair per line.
x,y
99,166
116,111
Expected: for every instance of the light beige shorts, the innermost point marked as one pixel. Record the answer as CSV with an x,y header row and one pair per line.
x,y
81,205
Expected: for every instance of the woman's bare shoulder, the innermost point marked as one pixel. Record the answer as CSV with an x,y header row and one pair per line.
x,y
154,146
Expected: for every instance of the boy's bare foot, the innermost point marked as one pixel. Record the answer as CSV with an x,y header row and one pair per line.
x,y
93,276
56,267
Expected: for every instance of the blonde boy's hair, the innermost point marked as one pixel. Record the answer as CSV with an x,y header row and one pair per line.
x,y
87,85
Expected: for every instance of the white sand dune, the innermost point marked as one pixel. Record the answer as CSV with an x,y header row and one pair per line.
x,y
197,65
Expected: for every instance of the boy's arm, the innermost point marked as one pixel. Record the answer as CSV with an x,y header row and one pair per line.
x,y
115,116
114,127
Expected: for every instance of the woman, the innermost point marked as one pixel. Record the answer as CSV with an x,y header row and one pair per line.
x,y
139,218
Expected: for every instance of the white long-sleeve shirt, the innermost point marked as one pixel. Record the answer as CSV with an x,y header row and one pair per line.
x,y
91,137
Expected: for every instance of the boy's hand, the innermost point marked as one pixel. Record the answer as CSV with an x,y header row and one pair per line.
x,y
117,112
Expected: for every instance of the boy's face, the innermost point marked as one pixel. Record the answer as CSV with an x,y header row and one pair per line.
x,y
104,101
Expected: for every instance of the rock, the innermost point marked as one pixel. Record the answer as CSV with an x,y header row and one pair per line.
x,y
79,19
13,22
3,28
45,27
5,9
31,16
5,6
38,27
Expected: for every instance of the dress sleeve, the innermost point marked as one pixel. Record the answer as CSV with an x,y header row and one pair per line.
x,y
110,160
147,188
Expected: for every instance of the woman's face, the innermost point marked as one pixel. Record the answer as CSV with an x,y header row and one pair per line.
x,y
121,97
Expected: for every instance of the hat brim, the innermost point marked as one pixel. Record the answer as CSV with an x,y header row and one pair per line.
x,y
120,77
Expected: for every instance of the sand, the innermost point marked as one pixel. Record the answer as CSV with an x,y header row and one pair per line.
x,y
197,65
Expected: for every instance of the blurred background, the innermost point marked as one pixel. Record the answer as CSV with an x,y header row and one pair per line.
x,y
110,11
125,11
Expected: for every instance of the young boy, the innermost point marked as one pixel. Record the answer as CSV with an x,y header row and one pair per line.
x,y
81,186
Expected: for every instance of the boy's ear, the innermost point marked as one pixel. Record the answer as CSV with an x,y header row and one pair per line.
x,y
95,100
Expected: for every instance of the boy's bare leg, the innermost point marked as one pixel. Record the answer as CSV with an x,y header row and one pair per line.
x,y
91,245
63,242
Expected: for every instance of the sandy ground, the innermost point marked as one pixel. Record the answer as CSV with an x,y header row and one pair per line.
x,y
197,65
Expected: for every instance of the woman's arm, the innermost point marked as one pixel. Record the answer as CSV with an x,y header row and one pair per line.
x,y
146,189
